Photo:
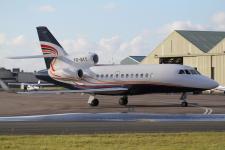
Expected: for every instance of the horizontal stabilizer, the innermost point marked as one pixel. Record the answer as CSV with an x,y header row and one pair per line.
x,y
35,56
32,84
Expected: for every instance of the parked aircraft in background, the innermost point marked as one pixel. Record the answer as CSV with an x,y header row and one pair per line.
x,y
219,88
31,86
83,74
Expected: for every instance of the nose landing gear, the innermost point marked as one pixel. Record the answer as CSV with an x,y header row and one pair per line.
x,y
183,99
123,100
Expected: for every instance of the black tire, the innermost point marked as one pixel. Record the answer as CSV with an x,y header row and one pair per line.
x,y
95,102
184,104
123,101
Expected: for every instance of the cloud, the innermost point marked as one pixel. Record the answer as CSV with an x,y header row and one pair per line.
x,y
20,46
109,44
218,20
111,6
2,39
46,8
182,25
78,46
110,50
138,45
18,41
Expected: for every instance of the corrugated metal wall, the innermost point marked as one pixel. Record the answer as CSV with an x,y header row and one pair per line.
x,y
204,65
218,63
190,61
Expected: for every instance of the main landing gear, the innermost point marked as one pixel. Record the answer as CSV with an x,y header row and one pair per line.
x,y
92,101
183,99
123,100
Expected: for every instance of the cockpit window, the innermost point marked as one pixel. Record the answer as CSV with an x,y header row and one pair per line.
x,y
181,72
193,71
197,72
187,72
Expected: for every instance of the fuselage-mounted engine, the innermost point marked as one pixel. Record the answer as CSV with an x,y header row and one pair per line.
x,y
89,59
68,74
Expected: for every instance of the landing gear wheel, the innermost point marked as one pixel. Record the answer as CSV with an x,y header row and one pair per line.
x,y
94,102
184,104
123,101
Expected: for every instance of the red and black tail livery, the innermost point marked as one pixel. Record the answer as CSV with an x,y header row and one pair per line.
x,y
49,45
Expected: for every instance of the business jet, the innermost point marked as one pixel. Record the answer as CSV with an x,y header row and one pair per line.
x,y
83,74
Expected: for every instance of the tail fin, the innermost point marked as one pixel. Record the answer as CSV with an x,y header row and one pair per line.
x,y
49,45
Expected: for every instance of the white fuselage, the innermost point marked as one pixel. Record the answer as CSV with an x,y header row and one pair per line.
x,y
164,76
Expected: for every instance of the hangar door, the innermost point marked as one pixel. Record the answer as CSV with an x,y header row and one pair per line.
x,y
171,60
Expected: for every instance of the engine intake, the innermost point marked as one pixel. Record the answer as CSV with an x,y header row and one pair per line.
x,y
95,58
80,73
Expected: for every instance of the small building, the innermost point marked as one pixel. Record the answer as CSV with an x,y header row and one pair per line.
x,y
17,76
26,77
6,75
131,60
203,50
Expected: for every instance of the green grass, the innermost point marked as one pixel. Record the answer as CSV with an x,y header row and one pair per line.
x,y
154,141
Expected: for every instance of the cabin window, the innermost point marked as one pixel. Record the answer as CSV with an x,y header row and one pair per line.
x,y
187,72
97,75
137,75
111,76
146,75
102,75
181,72
127,75
117,75
151,75
142,75
106,75
132,75
122,75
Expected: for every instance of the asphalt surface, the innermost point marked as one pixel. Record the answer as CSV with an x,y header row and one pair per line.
x,y
12,104
202,106
46,128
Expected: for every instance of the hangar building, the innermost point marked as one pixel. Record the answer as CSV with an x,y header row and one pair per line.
x,y
203,50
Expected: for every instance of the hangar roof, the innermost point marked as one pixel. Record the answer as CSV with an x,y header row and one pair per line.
x,y
137,58
204,40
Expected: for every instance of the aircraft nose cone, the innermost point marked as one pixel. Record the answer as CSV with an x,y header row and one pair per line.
x,y
212,84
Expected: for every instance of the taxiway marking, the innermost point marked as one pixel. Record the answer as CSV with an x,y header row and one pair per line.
x,y
207,110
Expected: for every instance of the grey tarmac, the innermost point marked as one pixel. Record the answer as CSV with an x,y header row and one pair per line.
x,y
13,104
64,128
22,105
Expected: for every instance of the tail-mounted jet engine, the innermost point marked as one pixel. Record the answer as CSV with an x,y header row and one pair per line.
x,y
73,74
91,59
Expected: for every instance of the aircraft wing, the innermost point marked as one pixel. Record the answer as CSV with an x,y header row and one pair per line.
x,y
77,91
